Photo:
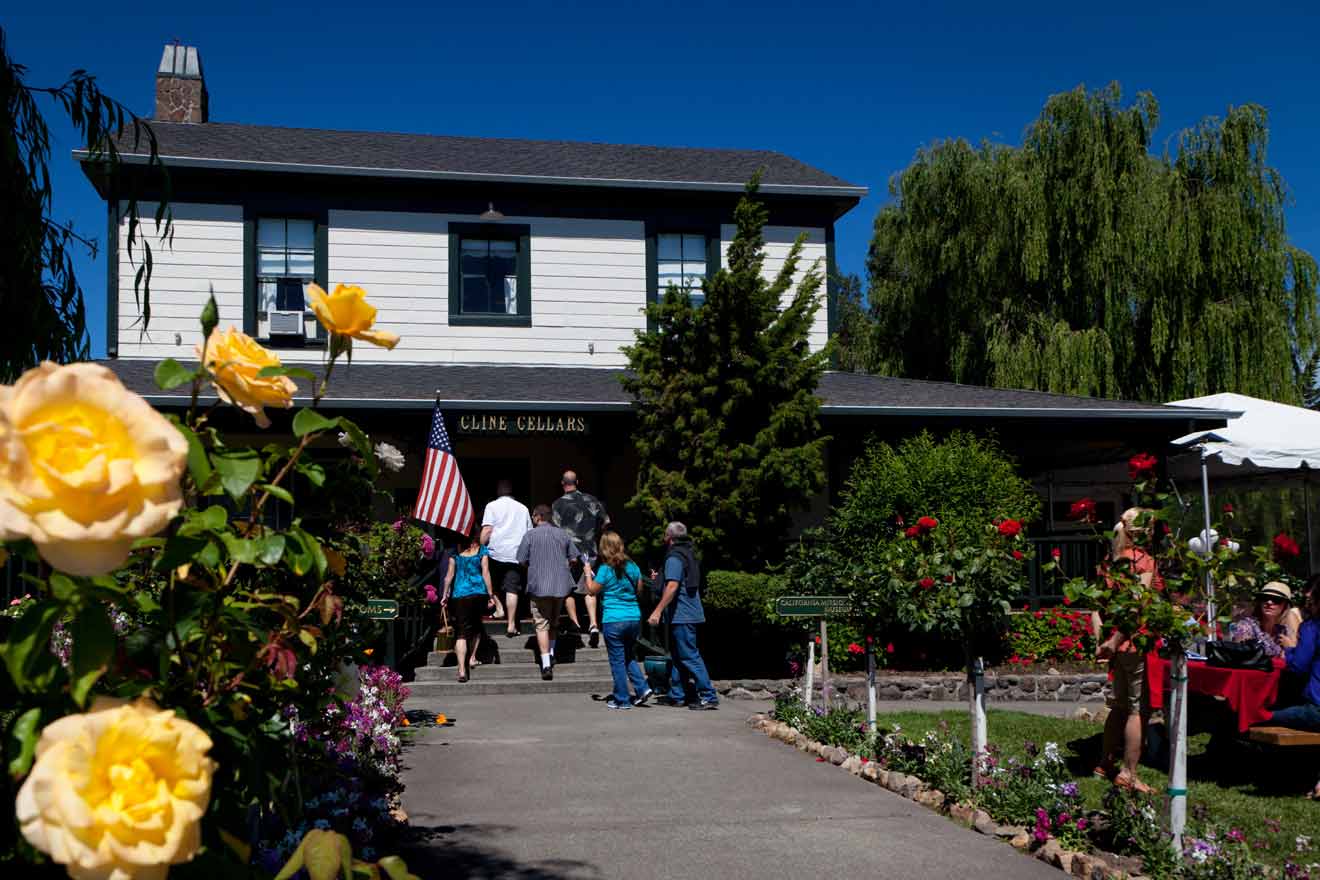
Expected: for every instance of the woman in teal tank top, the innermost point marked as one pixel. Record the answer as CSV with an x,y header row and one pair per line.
x,y
617,582
468,595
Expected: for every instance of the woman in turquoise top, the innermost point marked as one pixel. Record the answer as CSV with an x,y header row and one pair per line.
x,y
617,582
468,595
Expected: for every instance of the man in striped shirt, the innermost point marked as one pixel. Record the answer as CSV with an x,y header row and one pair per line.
x,y
546,551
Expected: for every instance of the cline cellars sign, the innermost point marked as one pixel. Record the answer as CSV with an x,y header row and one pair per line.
x,y
528,423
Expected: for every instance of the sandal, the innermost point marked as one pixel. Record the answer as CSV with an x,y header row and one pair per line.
x,y
462,678
1103,772
1132,783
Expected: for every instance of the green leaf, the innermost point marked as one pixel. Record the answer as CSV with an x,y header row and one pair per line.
x,y
240,550
62,587
395,868
278,491
308,421
171,374
291,372
28,642
93,647
270,549
313,472
178,550
23,742
146,603
238,470
209,555
210,315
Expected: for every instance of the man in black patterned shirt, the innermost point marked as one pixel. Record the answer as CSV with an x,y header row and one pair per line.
x,y
584,518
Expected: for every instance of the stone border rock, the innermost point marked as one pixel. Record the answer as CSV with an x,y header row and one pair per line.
x,y
1086,866
948,686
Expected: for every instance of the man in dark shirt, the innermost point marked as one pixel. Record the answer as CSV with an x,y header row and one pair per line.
x,y
584,518
680,608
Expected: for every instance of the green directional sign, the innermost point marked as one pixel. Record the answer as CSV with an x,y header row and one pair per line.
x,y
813,606
382,609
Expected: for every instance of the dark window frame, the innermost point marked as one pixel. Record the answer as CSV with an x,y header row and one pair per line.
x,y
251,273
520,233
655,228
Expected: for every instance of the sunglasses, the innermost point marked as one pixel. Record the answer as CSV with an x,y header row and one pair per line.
x,y
1273,600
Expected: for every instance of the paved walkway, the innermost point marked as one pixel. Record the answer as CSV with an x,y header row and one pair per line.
x,y
556,786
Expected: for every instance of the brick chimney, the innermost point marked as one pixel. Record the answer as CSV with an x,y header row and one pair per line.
x,y
180,86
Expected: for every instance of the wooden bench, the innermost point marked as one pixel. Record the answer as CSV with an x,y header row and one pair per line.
x,y
1283,736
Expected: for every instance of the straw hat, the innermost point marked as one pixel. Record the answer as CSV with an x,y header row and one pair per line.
x,y
1277,589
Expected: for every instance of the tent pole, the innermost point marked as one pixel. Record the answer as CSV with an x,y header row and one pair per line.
x,y
1210,615
1306,499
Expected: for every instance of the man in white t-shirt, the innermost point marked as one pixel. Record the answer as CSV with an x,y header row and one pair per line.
x,y
503,525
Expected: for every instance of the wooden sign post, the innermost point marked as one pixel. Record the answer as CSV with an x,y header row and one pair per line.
x,y
822,607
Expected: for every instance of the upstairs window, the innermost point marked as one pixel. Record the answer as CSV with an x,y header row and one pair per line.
x,y
286,263
490,274
680,260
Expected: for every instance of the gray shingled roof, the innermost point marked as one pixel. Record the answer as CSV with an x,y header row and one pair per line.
x,y
417,386
225,144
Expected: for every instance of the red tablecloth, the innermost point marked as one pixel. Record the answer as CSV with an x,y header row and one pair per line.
x,y
1248,692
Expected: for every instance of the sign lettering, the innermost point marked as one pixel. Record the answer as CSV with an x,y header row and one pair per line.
x,y
515,424
382,609
813,606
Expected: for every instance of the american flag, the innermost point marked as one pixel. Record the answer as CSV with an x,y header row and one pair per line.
x,y
443,498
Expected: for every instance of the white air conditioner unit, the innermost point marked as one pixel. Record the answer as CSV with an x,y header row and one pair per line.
x,y
286,323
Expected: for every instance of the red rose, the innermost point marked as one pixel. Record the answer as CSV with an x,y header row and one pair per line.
x,y
1142,465
926,523
870,640
1017,554
1056,552
1285,547
855,648
1009,528
889,648
1228,509
912,531
1067,601
1015,659
927,583
1039,615
948,578
1083,510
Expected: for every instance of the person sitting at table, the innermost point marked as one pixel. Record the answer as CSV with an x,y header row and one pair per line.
x,y
1127,665
1304,660
1272,621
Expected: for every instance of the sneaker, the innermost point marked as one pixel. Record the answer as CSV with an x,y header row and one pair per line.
x,y
704,705
640,699
666,700
547,674
594,639
611,703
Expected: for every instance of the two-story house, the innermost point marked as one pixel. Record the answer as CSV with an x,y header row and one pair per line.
x,y
515,271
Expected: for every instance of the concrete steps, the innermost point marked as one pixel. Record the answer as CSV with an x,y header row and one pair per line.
x,y
579,669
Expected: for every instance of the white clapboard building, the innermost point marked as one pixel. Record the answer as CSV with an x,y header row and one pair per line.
x,y
515,271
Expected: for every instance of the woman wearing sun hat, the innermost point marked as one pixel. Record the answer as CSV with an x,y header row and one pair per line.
x,y
1304,661
1273,621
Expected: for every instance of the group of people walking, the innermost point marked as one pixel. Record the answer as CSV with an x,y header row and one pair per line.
x,y
556,552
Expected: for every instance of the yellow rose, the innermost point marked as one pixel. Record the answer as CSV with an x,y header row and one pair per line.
x,y
235,359
118,792
346,312
86,466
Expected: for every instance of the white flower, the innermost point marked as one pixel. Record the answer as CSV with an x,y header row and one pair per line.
x,y
389,456
344,440
1051,753
1303,843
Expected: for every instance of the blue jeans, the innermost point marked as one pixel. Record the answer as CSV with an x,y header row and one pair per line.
x,y
688,680
1305,716
620,645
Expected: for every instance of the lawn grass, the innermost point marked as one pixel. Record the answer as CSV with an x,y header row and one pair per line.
x,y
1238,785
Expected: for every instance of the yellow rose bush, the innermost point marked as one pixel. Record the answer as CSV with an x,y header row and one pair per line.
x,y
167,698
118,791
236,362
87,467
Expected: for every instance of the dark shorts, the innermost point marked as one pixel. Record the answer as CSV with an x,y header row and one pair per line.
x,y
507,577
465,614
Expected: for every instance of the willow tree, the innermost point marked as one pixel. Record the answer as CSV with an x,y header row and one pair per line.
x,y
1082,262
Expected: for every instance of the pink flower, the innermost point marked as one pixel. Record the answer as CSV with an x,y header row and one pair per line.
x,y
13,602
428,547
398,525
431,595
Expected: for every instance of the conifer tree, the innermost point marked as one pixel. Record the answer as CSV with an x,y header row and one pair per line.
x,y
1082,262
728,434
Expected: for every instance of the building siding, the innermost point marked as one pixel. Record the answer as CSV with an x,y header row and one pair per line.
x,y
588,280
206,255
778,242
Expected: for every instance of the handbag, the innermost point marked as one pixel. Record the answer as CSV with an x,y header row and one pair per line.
x,y
1238,655
444,636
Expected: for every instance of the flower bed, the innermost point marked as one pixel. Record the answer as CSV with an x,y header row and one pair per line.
x,y
1028,798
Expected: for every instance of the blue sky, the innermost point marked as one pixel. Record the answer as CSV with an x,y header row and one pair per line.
x,y
852,88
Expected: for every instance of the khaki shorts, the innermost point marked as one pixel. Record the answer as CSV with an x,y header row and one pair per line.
x,y
545,611
1129,684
